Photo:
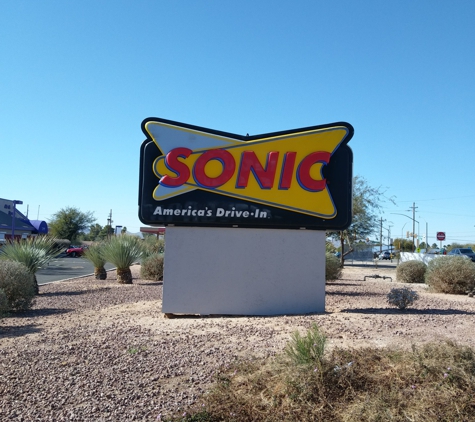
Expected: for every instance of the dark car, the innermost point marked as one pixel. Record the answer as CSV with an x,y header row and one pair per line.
x,y
385,255
463,252
74,251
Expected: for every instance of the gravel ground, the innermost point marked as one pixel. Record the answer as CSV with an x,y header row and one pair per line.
x,y
94,350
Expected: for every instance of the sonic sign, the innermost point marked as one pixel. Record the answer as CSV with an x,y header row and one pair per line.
x,y
193,176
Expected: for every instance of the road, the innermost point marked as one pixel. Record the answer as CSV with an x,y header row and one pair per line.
x,y
62,268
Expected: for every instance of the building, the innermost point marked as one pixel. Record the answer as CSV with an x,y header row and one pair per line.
x,y
12,220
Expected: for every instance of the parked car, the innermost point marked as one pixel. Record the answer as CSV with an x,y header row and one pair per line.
x,y
74,251
385,255
463,252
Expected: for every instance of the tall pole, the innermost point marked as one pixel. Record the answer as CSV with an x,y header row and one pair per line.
x,y
13,221
109,223
413,224
413,221
381,237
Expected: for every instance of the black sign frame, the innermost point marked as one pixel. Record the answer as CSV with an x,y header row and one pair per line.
x,y
338,174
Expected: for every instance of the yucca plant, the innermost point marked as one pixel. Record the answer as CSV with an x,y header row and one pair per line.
x,y
94,254
122,251
33,253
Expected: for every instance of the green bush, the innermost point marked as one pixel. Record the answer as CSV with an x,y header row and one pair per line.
x,y
451,274
153,245
17,284
332,267
3,303
308,349
411,272
152,267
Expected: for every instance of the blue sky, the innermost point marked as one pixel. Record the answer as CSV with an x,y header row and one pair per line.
x,y
78,78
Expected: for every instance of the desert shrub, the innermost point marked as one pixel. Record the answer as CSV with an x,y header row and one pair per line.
x,y
95,256
402,298
451,274
17,284
411,272
308,349
34,253
430,383
152,267
153,245
3,303
123,251
332,267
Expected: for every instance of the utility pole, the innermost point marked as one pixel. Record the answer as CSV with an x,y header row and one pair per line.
x,y
413,224
109,223
381,238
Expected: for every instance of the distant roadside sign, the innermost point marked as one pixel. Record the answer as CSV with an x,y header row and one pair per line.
x,y
440,236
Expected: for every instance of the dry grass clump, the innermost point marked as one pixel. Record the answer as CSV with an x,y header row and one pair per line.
x,y
451,274
152,267
411,272
433,383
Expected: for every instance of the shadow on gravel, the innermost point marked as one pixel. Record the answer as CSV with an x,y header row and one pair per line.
x,y
74,292
371,266
354,294
158,283
13,331
391,311
41,312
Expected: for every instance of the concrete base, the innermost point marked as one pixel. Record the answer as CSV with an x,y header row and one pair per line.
x,y
237,271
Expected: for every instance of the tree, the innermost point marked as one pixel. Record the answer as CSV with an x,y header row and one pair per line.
x,y
366,204
69,222
404,245
106,232
94,231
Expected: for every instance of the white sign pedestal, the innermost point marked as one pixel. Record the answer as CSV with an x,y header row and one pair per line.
x,y
243,271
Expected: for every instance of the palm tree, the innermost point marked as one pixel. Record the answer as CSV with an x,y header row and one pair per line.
x,y
94,255
34,253
122,251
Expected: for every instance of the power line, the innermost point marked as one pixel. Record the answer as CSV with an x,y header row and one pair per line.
x,y
442,199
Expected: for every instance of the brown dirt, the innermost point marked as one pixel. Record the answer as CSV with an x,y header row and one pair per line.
x,y
93,350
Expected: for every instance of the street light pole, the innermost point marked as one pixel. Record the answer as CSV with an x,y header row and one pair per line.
x,y
414,221
414,224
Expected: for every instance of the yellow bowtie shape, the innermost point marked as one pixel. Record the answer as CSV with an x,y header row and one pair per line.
x,y
283,171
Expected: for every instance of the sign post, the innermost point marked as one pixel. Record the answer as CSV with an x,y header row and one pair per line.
x,y
440,236
246,216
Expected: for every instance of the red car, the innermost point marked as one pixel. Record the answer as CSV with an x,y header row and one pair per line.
x,y
74,251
